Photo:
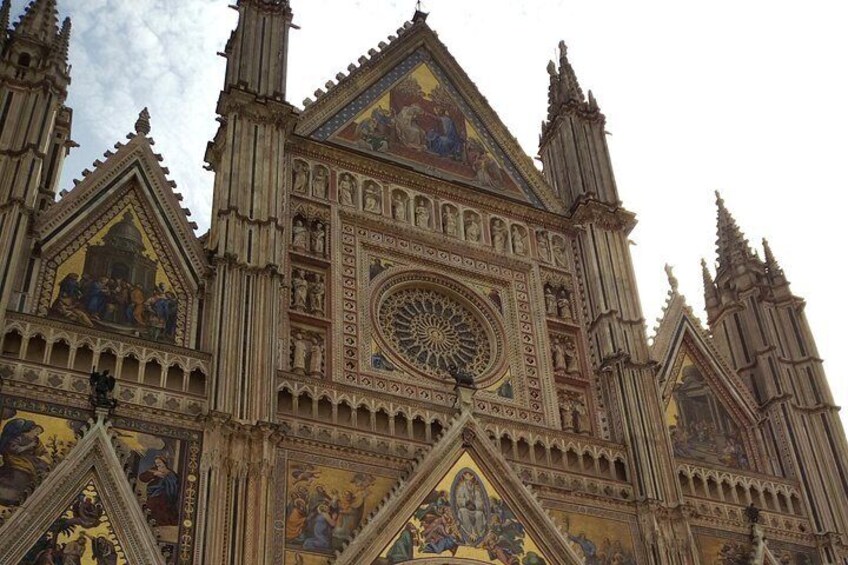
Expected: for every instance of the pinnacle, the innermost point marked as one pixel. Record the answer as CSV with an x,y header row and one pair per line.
x,y
731,245
63,40
773,268
40,20
142,124
5,15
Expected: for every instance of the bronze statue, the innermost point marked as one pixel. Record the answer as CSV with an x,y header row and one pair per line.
x,y
102,386
461,376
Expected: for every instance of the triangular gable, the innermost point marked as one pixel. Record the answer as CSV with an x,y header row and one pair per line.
x,y
413,104
463,487
119,254
66,506
134,164
710,413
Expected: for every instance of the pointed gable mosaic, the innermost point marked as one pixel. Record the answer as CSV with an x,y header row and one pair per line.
x,y
414,115
82,535
116,282
701,428
464,517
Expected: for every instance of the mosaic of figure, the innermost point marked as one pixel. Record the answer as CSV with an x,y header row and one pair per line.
x,y
599,541
347,190
700,426
30,445
116,282
326,505
83,534
465,518
154,466
419,120
724,552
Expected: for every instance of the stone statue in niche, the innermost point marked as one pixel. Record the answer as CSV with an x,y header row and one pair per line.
x,y
544,246
550,302
301,177
316,357
319,237
399,207
472,230
564,353
572,411
499,235
451,222
373,200
563,305
299,348
300,235
300,290
519,244
347,188
559,252
320,182
315,295
422,214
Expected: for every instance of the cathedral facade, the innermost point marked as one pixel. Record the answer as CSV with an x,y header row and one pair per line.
x,y
399,342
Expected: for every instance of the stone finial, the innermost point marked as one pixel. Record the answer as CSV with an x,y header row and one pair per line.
x,y
672,280
142,124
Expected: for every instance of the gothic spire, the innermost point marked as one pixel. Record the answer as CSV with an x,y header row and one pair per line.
x,y
5,15
63,41
40,20
564,87
773,268
710,291
731,245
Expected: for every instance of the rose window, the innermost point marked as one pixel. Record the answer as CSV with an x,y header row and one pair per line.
x,y
432,328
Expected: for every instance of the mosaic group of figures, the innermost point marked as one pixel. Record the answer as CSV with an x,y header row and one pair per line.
x,y
308,292
599,541
307,353
82,534
309,236
700,426
465,518
325,506
418,120
558,302
31,444
115,282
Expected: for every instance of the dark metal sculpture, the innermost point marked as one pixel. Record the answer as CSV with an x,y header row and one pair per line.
x,y
753,513
102,387
461,376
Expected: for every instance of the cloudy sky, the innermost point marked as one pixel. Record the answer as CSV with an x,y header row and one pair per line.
x,y
744,97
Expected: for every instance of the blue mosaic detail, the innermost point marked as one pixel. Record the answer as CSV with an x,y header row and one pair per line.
x,y
376,90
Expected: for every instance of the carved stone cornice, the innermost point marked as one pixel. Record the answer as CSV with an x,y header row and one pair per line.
x,y
258,110
590,211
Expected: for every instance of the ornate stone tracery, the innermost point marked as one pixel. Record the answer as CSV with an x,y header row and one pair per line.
x,y
430,326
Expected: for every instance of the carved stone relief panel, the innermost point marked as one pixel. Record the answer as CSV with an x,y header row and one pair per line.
x,y
308,292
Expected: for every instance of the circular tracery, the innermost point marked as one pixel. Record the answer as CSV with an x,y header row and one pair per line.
x,y
431,327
